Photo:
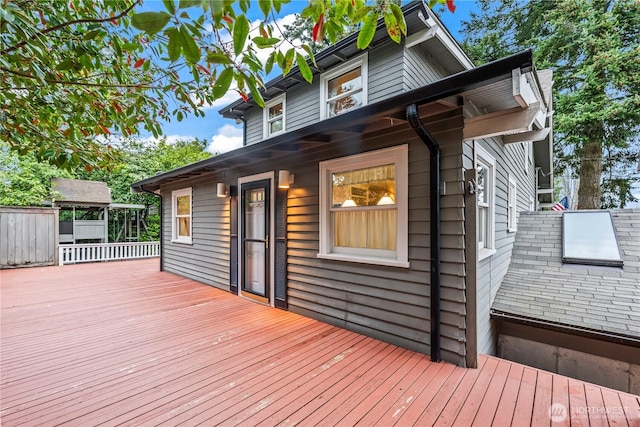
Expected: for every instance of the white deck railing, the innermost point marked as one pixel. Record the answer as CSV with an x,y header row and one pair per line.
x,y
96,252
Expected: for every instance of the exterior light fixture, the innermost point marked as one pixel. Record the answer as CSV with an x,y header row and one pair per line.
x,y
285,179
221,190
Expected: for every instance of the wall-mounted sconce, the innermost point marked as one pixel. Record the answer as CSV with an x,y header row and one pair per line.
x,y
285,179
221,190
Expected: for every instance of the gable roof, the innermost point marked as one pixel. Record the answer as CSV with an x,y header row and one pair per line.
x,y
419,18
469,83
590,300
79,192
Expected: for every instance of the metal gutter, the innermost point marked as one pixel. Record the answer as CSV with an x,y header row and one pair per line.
x,y
434,194
448,86
570,329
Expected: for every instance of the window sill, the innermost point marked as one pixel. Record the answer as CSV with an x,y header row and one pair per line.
x,y
361,260
485,253
182,242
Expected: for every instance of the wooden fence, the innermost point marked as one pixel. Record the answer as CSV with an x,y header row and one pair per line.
x,y
28,236
96,252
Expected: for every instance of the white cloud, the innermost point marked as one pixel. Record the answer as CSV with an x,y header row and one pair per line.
x,y
228,138
227,99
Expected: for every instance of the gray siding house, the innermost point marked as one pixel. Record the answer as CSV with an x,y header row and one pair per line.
x,y
382,198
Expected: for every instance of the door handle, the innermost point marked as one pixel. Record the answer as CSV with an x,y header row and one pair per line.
x,y
266,241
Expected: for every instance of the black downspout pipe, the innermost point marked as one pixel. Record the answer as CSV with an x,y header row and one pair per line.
x,y
434,193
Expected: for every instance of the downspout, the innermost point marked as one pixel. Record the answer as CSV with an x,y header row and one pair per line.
x,y
434,194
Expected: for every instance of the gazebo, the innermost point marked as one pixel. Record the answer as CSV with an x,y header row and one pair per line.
x,y
84,209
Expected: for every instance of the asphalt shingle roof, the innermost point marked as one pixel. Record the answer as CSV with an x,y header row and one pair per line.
x,y
79,192
539,286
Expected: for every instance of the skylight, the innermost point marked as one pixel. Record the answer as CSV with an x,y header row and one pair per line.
x,y
589,238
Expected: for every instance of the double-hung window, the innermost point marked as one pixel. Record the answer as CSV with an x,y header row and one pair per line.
x,y
344,88
485,180
181,206
274,116
364,208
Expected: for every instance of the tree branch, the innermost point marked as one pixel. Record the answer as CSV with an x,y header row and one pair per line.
x,y
78,83
66,24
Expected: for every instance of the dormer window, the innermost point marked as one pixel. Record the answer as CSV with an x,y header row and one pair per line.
x,y
274,116
344,88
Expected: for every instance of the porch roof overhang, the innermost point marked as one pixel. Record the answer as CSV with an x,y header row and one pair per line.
x,y
470,84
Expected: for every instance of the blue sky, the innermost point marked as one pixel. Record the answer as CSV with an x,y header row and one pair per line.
x,y
224,134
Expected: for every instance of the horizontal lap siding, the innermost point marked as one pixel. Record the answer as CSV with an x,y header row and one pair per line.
x,y
207,259
385,72
384,302
491,270
420,68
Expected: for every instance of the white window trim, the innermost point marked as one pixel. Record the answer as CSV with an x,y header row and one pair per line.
x,y
483,156
174,210
361,61
512,205
400,157
277,100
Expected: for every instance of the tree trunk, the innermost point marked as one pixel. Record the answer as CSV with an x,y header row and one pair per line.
x,y
590,173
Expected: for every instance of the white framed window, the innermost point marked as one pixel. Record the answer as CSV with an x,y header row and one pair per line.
x,y
486,185
511,204
181,217
364,208
274,116
344,88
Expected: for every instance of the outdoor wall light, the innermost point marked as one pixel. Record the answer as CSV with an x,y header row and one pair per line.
x,y
285,179
221,190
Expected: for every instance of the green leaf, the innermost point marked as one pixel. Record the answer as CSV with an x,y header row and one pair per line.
x,y
397,12
288,61
217,9
170,6
265,42
174,46
253,88
309,51
265,7
269,64
184,4
218,58
368,30
304,68
189,46
150,22
393,29
240,33
223,82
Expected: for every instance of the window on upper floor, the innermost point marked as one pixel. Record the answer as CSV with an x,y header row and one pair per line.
x,y
485,187
181,224
364,208
512,205
344,88
274,116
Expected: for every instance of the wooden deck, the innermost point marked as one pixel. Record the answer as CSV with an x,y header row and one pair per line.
x,y
124,344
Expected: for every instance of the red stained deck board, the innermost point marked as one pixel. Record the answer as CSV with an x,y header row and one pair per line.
x,y
125,344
